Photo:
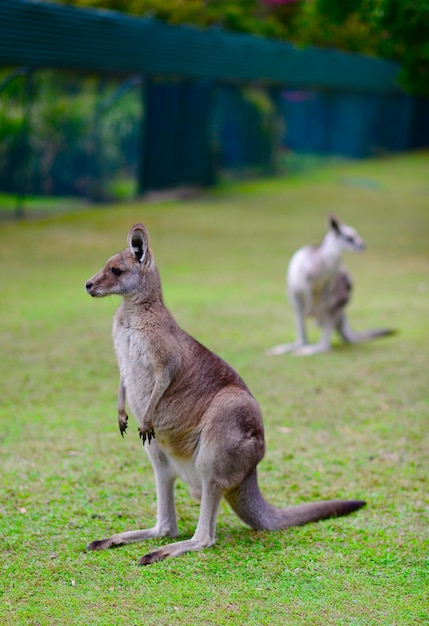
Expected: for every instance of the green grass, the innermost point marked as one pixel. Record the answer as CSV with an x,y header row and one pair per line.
x,y
352,423
12,206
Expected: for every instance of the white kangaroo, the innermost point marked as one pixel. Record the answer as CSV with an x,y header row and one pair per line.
x,y
207,424
319,286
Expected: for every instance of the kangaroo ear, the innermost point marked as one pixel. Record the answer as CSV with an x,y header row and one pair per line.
x,y
138,241
334,223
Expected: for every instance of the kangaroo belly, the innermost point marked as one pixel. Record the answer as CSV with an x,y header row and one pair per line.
x,y
187,471
330,297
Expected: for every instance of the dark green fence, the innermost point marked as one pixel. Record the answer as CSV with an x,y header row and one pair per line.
x,y
101,104
40,34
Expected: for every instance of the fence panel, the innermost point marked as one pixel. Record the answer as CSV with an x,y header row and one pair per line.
x,y
178,146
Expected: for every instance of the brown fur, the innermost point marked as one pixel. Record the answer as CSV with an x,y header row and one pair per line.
x,y
196,417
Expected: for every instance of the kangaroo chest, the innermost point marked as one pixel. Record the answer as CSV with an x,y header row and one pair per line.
x,y
135,366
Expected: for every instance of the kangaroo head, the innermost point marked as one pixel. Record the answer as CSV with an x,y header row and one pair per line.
x,y
345,236
131,272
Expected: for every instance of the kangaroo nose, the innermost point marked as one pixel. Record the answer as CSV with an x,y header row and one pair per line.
x,y
88,285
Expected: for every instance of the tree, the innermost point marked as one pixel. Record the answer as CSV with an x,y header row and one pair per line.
x,y
250,16
395,29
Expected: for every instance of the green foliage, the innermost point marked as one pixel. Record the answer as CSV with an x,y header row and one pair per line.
x,y
352,423
248,16
404,28
396,29
66,127
339,31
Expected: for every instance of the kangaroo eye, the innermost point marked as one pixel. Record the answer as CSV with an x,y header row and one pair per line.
x,y
116,271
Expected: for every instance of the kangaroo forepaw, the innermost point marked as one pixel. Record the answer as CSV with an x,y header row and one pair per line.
x,y
146,433
123,422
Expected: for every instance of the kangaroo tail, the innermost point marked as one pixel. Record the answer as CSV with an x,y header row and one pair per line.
x,y
350,336
373,334
248,503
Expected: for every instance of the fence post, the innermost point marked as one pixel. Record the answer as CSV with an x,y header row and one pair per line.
x,y
23,173
144,140
277,131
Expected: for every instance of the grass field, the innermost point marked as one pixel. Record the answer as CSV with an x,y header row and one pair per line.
x,y
352,423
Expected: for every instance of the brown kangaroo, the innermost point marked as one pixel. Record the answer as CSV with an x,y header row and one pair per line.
x,y
197,419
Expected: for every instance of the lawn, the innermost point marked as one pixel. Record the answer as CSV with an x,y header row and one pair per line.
x,y
353,423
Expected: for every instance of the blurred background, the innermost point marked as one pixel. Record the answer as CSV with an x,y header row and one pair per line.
x,y
104,100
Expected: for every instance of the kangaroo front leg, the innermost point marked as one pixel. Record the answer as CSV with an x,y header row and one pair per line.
x,y
146,428
166,524
122,416
205,534
164,375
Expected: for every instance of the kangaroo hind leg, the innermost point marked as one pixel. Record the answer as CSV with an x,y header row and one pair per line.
x,y
343,329
300,330
166,524
205,533
324,343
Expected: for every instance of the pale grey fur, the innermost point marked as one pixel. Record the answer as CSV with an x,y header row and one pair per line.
x,y
319,286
